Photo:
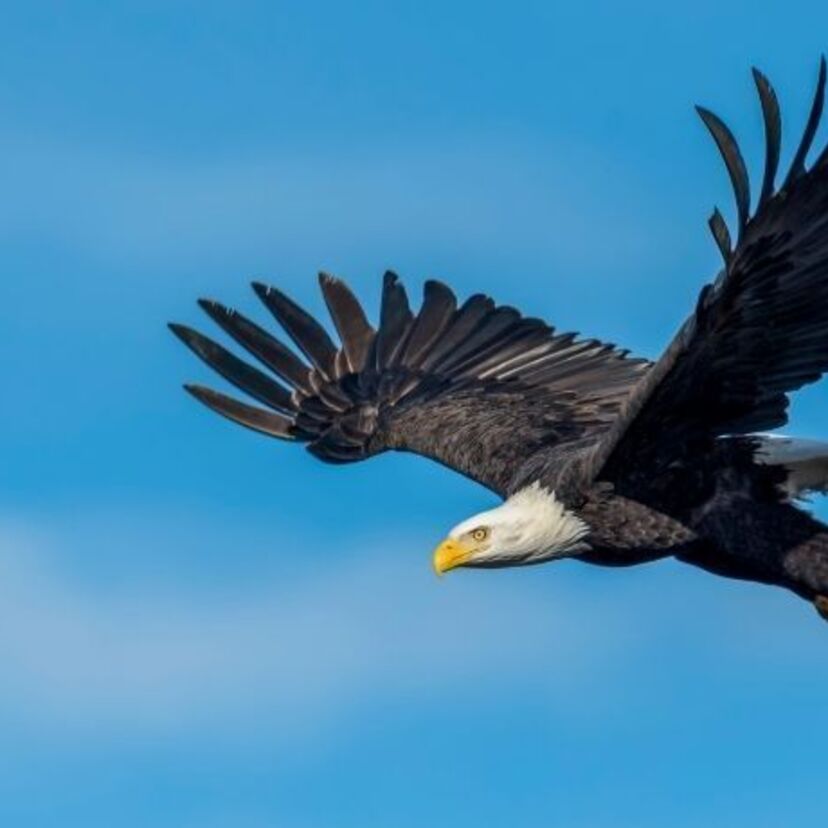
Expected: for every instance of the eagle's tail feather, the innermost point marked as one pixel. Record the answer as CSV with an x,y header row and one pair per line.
x,y
806,462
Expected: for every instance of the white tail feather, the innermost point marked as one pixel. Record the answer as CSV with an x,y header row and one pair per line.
x,y
805,460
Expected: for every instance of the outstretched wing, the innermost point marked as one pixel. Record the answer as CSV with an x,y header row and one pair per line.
x,y
759,332
476,387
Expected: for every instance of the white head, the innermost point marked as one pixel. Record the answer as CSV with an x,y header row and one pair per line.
x,y
531,526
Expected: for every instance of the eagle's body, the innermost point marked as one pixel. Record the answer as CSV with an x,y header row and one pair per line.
x,y
600,456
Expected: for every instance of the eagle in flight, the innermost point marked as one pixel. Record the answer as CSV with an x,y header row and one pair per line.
x,y
597,455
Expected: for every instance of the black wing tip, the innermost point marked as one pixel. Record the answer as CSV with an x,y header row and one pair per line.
x,y
214,309
197,390
267,292
711,120
272,296
327,279
763,85
718,128
393,291
731,154
721,235
822,74
760,77
797,168
437,288
206,396
201,392
184,332
436,284
256,419
328,282
772,120
730,151
195,341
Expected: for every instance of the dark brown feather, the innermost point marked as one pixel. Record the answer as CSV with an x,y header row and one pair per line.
x,y
464,321
265,422
773,134
479,388
734,162
349,320
798,163
721,234
395,322
269,350
249,379
303,329
758,333
437,311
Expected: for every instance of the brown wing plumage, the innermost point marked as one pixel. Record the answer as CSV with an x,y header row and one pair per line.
x,y
477,387
758,332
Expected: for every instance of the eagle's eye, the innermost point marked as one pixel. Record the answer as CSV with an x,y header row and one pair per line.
x,y
480,534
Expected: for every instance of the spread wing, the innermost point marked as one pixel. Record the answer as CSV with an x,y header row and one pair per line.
x,y
477,387
758,333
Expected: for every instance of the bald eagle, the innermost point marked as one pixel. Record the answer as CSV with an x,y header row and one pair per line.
x,y
596,454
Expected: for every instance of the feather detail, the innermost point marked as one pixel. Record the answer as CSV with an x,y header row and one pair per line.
x,y
257,419
449,383
721,235
734,162
270,351
349,320
798,164
773,134
303,329
244,376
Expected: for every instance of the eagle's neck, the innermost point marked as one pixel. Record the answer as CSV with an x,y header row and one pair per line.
x,y
542,526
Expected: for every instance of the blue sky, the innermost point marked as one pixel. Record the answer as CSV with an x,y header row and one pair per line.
x,y
200,627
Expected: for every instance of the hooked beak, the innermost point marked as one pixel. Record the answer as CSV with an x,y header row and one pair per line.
x,y
450,554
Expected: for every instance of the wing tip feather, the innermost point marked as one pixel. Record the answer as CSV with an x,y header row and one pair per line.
x,y
721,235
731,154
184,332
256,419
798,168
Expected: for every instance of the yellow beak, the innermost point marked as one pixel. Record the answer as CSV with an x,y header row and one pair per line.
x,y
450,554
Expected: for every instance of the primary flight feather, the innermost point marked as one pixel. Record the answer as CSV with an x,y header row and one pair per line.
x,y
597,455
